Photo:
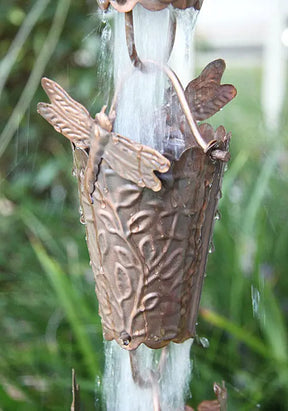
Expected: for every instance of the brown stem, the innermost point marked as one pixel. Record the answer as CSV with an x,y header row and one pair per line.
x,y
75,406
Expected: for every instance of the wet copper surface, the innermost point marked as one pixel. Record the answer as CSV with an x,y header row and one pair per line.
x,y
148,250
149,221
153,5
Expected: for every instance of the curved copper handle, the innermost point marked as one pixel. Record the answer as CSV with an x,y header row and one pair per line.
x,y
184,104
181,96
130,39
144,65
124,6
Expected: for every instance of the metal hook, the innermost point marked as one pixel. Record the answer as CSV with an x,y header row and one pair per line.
x,y
130,39
144,65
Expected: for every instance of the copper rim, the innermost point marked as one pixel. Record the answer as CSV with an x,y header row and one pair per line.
x,y
152,5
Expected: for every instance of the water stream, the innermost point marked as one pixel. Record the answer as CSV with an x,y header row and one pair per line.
x,y
142,95
121,393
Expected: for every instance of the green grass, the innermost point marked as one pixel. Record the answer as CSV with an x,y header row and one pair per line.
x,y
48,309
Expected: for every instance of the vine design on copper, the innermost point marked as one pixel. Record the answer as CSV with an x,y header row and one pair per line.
x,y
148,218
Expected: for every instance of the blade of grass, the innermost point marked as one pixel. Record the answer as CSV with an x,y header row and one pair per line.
x,y
247,222
257,195
70,305
26,27
273,326
43,235
233,171
36,74
40,231
238,332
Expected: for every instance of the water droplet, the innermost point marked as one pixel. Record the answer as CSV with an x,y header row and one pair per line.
x,y
102,204
211,247
82,218
204,342
225,168
105,190
255,296
98,381
217,215
74,172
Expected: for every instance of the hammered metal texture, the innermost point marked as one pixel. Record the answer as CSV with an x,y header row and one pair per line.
x,y
148,250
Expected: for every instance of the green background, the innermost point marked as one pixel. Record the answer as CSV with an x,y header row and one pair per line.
x,y
48,309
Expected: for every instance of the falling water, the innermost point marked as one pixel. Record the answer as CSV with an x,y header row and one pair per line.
x,y
141,95
123,394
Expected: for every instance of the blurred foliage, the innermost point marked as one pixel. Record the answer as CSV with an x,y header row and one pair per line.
x,y
48,309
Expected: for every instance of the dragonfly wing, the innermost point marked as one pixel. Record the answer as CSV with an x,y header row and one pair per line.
x,y
66,115
205,95
136,162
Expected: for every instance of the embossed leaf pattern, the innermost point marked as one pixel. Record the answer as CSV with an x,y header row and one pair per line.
x,y
123,281
127,195
102,240
136,291
124,256
141,221
148,250
173,264
149,301
108,220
